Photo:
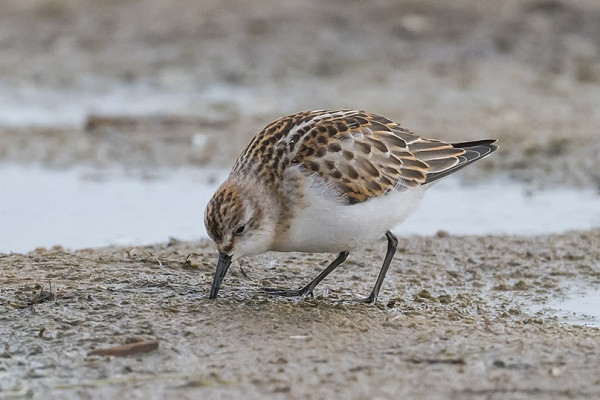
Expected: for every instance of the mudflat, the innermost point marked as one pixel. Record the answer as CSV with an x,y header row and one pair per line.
x,y
457,318
145,85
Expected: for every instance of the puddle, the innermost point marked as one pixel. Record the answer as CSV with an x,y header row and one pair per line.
x,y
82,208
503,207
580,309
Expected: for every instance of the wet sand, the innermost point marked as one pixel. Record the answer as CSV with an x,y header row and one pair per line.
x,y
454,320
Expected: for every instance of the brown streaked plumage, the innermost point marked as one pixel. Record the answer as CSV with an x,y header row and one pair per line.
x,y
331,171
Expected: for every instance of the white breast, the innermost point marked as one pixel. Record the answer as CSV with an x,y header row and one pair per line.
x,y
326,225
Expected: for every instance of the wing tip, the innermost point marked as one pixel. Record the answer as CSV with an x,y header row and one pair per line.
x,y
474,151
490,144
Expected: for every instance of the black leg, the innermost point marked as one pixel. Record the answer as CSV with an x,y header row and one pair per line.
x,y
391,250
308,289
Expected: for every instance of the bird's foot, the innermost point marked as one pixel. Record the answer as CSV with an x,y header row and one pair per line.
x,y
369,300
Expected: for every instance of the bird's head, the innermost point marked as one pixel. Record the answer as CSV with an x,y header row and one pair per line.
x,y
240,220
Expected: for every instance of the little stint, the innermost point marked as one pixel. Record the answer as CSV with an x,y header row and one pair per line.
x,y
327,182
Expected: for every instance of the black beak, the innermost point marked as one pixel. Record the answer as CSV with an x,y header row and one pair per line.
x,y
222,266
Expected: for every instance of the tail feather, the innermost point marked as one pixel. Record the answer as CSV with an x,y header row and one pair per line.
x,y
473,151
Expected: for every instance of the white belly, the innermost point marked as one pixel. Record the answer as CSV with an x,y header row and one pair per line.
x,y
326,226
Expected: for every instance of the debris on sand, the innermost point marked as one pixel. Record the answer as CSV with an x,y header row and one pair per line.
x,y
145,346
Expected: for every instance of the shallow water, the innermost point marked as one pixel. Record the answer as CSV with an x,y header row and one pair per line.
x,y
503,207
86,208
579,308
82,208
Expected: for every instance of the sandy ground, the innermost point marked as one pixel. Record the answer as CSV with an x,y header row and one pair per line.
x,y
457,314
454,320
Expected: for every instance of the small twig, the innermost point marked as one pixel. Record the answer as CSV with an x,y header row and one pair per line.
x,y
126,349
191,254
454,361
155,258
134,379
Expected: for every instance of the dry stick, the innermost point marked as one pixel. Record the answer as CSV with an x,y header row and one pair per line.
x,y
127,349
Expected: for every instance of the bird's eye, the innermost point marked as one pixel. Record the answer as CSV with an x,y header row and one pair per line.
x,y
240,230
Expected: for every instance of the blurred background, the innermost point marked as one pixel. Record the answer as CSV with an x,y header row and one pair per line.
x,y
113,112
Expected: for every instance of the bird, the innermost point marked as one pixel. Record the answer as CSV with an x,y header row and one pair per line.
x,y
327,181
